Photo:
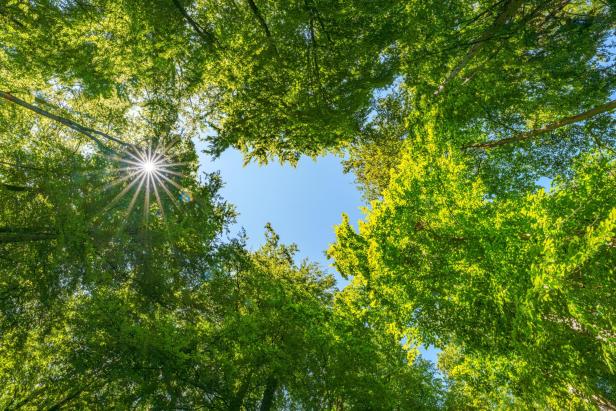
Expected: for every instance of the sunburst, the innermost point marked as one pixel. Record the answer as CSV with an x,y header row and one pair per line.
x,y
150,172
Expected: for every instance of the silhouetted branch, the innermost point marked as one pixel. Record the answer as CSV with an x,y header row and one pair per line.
x,y
257,13
205,34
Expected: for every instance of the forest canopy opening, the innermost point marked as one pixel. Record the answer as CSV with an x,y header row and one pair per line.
x,y
121,285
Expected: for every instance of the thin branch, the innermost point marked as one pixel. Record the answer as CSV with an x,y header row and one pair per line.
x,y
527,135
205,34
602,145
472,20
25,237
508,11
257,13
315,54
89,132
12,187
315,12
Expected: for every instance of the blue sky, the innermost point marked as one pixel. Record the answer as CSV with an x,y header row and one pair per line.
x,y
302,203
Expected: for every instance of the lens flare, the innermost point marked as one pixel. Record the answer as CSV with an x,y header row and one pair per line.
x,y
149,172
149,167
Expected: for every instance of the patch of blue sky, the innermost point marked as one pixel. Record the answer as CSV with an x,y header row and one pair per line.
x,y
302,203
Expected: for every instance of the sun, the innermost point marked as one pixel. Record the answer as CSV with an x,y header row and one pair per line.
x,y
149,166
149,172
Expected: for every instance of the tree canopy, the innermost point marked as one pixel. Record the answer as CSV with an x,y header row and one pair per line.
x,y
481,134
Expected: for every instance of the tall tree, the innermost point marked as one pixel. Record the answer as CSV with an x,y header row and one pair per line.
x,y
519,286
544,71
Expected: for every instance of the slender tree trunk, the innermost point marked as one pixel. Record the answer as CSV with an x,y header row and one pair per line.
x,y
268,394
603,403
510,8
547,128
89,132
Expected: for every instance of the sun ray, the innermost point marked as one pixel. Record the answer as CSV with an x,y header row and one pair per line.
x,y
136,194
122,193
119,180
135,163
176,185
166,190
177,164
160,203
147,170
158,155
163,170
138,157
146,209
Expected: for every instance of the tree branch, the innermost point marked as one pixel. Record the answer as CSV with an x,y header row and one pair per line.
x,y
88,132
205,34
23,237
257,13
12,187
527,135
315,12
508,11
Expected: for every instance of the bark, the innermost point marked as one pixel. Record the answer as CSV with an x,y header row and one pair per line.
x,y
509,10
527,135
603,403
89,132
268,395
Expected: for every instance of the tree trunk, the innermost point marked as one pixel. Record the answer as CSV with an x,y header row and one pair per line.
x,y
269,394
548,127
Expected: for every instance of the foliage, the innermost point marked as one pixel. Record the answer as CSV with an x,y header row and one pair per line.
x,y
448,114
103,304
521,286
547,61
